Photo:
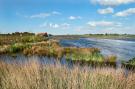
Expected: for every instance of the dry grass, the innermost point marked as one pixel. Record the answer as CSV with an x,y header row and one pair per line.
x,y
52,48
32,75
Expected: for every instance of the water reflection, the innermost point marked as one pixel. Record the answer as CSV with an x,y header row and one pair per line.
x,y
43,60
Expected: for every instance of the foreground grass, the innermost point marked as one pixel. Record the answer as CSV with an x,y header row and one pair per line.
x,y
33,75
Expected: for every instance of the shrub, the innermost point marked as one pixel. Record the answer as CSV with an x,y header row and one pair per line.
x,y
26,39
3,49
36,50
130,62
84,54
111,58
15,48
18,47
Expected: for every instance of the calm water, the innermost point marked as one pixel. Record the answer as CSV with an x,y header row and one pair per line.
x,y
22,59
123,49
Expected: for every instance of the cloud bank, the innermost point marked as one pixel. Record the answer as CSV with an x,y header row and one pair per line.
x,y
112,2
54,25
108,10
103,24
125,13
44,15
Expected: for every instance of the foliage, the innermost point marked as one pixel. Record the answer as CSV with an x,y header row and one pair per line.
x,y
130,62
28,38
86,54
111,58
18,47
32,39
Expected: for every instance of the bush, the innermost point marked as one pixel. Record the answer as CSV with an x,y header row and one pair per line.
x,y
3,49
18,47
131,62
27,39
111,58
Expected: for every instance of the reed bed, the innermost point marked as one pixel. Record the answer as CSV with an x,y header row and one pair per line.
x,y
33,75
52,48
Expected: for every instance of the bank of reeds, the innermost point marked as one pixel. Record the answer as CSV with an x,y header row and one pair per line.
x,y
129,64
33,75
52,48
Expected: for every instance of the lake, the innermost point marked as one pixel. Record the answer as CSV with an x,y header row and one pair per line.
x,y
123,49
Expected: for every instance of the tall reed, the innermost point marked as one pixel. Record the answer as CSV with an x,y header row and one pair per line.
x,y
33,75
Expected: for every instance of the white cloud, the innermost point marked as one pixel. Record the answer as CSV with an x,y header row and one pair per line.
x,y
108,10
56,13
55,26
49,25
75,17
125,13
41,15
112,2
104,24
44,15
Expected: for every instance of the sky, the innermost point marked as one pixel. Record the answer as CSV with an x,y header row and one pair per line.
x,y
68,16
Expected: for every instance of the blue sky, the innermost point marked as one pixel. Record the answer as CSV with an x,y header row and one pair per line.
x,y
68,16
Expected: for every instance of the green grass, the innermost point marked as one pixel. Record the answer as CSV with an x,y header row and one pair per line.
x,y
110,36
12,39
99,36
97,57
32,75
131,62
85,54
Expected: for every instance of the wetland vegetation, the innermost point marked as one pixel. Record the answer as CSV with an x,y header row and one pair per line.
x,y
41,45
35,75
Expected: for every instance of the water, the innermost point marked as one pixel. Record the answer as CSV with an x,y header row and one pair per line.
x,y
123,49
44,60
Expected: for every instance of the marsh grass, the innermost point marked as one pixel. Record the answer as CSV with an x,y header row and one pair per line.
x,y
33,75
111,58
129,64
132,61
51,48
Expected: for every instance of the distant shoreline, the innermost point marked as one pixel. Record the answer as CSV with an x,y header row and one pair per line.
x,y
113,37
